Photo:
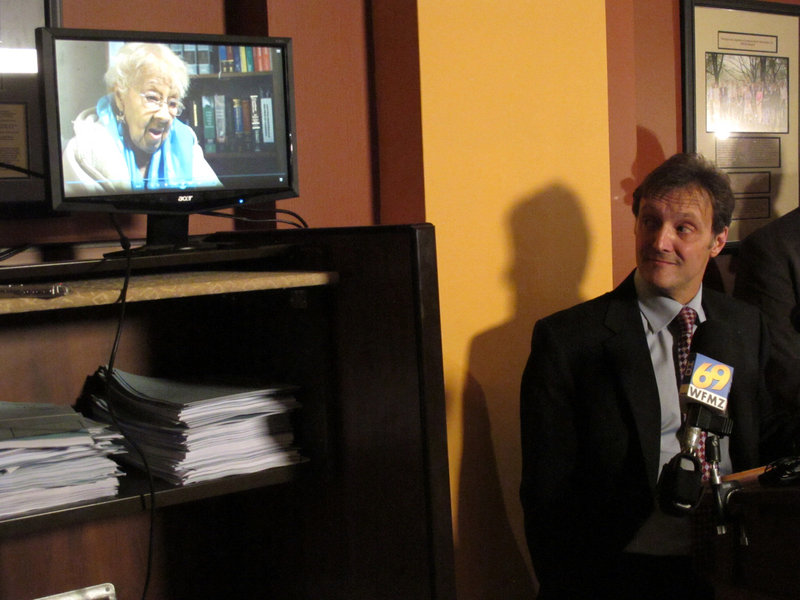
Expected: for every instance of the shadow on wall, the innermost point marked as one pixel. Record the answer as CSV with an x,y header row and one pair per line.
x,y
649,154
549,246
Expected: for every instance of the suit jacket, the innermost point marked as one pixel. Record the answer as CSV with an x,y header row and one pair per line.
x,y
768,276
591,428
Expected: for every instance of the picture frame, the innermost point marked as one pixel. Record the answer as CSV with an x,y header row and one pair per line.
x,y
741,63
22,190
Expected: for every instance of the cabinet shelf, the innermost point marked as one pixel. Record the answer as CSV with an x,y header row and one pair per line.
x,y
159,286
134,494
230,75
134,497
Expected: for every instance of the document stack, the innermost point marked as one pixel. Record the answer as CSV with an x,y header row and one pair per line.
x,y
191,432
51,455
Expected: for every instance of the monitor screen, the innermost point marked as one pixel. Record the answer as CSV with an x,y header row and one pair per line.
x,y
166,123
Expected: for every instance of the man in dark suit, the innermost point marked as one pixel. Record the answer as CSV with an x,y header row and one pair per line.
x,y
768,276
600,410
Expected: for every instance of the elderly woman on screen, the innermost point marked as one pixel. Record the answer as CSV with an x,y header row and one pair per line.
x,y
132,139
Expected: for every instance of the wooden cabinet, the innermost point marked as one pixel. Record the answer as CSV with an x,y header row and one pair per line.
x,y
354,322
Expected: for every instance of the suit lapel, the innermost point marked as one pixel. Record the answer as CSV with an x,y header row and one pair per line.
x,y
629,359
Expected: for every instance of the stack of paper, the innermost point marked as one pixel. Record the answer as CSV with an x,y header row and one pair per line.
x,y
190,432
50,455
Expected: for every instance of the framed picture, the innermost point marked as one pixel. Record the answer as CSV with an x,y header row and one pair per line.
x,y
22,190
740,102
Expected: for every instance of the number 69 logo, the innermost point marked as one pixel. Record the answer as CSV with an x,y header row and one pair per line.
x,y
713,375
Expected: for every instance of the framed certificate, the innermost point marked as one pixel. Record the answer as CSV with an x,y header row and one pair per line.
x,y
740,101
22,190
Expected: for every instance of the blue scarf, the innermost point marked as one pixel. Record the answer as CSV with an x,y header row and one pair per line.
x,y
170,166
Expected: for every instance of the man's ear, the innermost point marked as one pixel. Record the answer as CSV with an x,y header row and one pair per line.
x,y
718,243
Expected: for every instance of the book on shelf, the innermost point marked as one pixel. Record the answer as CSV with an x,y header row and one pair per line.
x,y
263,59
248,62
177,49
255,120
220,121
202,59
247,124
205,64
239,124
237,59
191,432
226,59
209,132
267,120
195,111
190,58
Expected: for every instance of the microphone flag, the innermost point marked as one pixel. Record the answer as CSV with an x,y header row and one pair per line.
x,y
709,383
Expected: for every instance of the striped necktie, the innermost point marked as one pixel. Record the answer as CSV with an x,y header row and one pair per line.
x,y
685,322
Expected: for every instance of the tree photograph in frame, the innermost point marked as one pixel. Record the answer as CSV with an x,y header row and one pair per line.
x,y
746,93
740,101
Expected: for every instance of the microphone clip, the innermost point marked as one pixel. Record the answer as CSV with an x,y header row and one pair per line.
x,y
701,417
680,486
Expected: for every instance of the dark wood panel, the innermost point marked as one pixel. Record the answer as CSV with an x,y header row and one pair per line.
x,y
395,83
107,550
246,17
765,568
368,518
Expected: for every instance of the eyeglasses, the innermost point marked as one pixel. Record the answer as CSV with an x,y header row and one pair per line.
x,y
153,101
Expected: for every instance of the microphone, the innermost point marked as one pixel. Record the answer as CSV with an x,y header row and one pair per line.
x,y
704,393
705,390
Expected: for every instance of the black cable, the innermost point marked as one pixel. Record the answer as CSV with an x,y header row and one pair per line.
x,y
284,211
11,167
249,220
9,252
126,246
300,224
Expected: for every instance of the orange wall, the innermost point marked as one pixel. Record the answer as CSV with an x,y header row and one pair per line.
x,y
515,134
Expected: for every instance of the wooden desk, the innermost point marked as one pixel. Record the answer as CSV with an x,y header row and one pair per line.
x,y
759,557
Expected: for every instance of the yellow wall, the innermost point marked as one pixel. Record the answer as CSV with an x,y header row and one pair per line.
x,y
516,159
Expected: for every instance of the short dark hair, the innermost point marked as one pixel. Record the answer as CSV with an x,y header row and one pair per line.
x,y
684,170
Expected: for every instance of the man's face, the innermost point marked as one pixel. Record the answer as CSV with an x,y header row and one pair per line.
x,y
674,241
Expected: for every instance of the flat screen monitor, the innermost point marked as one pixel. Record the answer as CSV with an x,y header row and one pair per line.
x,y
166,123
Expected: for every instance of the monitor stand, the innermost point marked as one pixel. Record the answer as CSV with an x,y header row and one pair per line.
x,y
168,231
166,234
169,235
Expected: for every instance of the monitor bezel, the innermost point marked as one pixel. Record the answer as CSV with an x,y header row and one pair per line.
x,y
166,201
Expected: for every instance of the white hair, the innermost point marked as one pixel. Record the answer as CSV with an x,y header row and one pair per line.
x,y
137,61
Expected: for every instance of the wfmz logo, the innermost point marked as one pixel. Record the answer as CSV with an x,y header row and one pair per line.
x,y
186,198
710,382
